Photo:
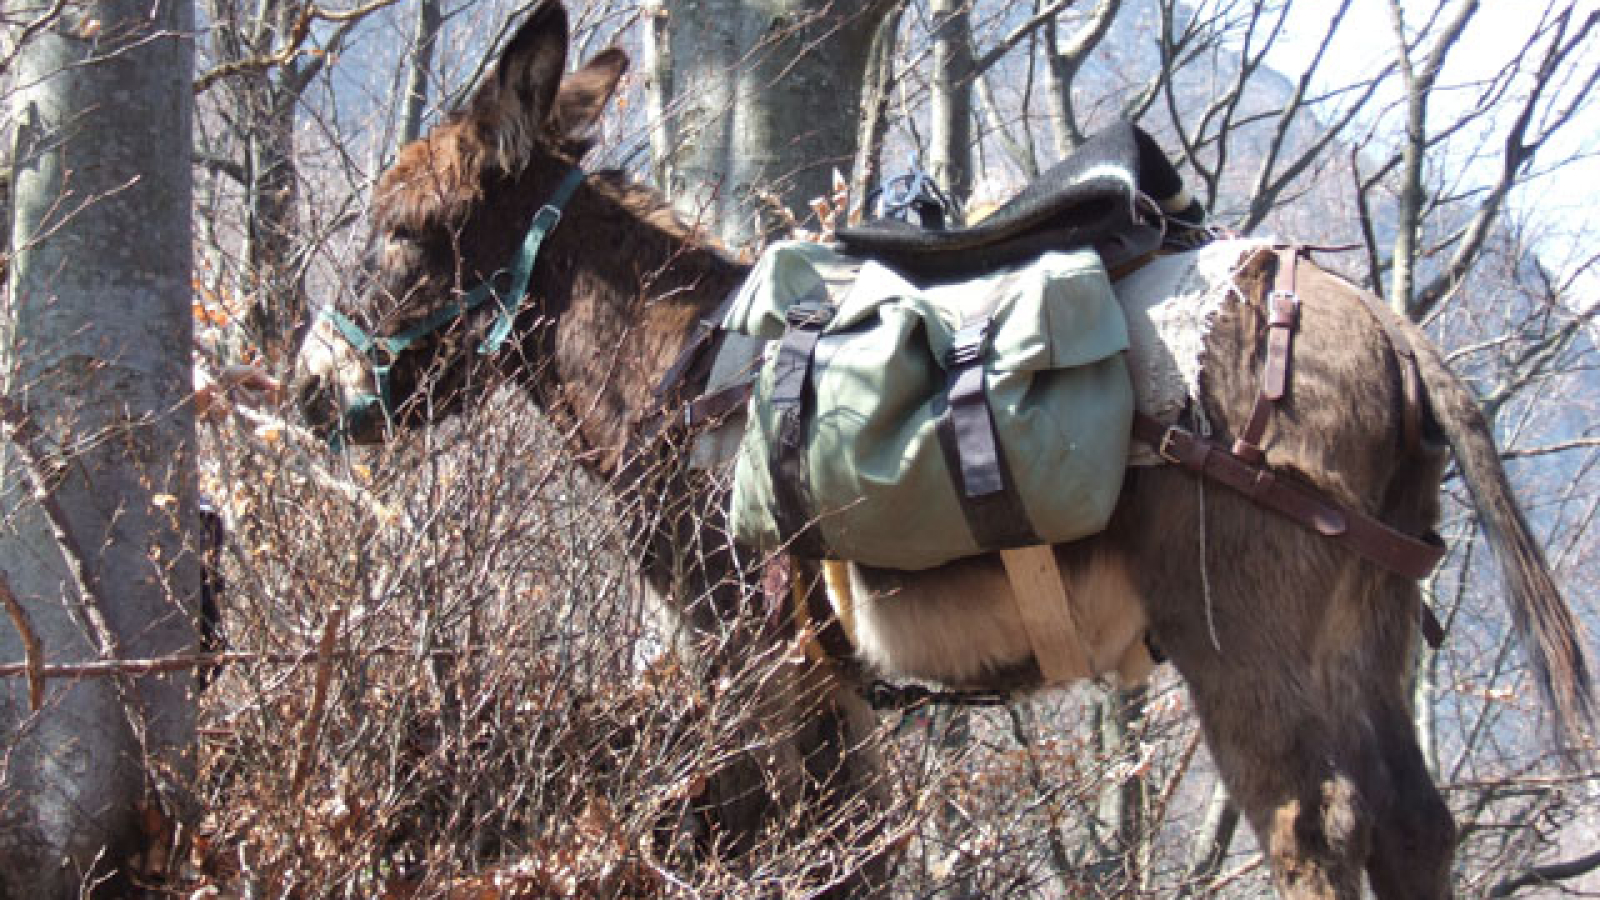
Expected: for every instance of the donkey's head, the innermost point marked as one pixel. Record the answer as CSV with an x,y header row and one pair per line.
x,y
458,220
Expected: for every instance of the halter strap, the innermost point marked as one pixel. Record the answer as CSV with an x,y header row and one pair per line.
x,y
381,351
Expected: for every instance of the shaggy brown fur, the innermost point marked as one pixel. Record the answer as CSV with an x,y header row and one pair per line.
x,y
1297,655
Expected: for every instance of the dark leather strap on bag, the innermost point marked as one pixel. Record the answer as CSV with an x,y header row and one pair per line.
x,y
790,374
988,495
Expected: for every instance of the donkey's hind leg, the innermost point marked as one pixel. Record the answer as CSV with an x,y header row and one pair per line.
x,y
1413,840
1255,635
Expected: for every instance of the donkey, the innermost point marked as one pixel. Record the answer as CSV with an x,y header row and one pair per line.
x,y
1296,650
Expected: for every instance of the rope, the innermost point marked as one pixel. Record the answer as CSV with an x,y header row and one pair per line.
x,y
882,695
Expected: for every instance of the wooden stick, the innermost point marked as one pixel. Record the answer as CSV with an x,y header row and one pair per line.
x,y
1046,611
319,697
32,651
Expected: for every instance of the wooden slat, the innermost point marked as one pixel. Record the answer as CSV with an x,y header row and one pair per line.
x,y
1046,611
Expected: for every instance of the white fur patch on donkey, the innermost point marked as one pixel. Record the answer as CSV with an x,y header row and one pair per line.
x,y
1170,305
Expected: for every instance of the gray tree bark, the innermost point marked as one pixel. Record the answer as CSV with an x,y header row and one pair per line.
x,y
950,144
875,95
98,485
424,40
760,101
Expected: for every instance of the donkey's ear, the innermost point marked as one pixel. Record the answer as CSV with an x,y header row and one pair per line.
x,y
584,94
519,96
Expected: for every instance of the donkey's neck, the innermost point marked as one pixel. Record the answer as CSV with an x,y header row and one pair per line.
x,y
631,282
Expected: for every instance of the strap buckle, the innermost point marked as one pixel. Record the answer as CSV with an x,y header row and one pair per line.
x,y
808,316
1283,308
968,345
1172,435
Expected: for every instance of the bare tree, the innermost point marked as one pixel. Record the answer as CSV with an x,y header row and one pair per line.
x,y
750,90
99,473
268,57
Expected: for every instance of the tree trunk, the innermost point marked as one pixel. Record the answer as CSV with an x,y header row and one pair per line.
x,y
424,40
1064,59
270,275
875,94
757,102
760,99
96,362
950,150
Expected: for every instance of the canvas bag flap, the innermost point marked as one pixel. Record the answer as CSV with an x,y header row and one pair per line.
x,y
877,477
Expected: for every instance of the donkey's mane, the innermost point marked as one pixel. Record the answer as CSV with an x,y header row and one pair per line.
x,y
439,179
436,180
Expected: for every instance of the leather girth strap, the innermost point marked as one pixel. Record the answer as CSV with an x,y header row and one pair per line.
x,y
1394,550
1283,320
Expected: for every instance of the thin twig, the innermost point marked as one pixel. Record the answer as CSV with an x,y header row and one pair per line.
x,y
303,463
319,697
25,437
32,650
183,661
1546,450
1543,875
298,32
1185,757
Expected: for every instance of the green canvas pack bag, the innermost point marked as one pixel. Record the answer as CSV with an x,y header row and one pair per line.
x,y
915,425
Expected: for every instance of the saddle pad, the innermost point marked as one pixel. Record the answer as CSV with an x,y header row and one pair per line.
x,y
1089,198
1170,305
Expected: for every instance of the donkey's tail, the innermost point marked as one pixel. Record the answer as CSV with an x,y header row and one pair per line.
x,y
1551,637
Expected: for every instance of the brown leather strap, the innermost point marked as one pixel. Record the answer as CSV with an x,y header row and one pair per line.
x,y
700,340
695,357
1283,317
717,405
1362,534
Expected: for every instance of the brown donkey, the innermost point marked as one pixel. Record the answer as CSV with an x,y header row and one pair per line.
x,y
1297,655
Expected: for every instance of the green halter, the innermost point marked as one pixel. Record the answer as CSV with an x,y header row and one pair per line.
x,y
382,351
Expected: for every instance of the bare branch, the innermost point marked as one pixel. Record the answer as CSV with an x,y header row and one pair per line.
x,y
1419,86
1017,35
1543,875
298,33
1518,155
319,698
33,651
1064,63
1584,443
